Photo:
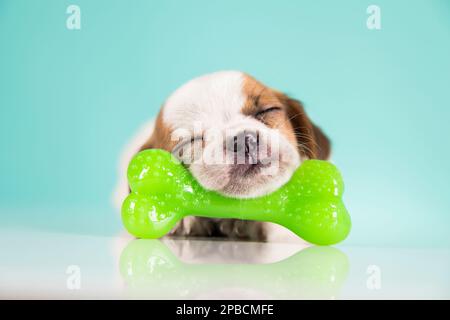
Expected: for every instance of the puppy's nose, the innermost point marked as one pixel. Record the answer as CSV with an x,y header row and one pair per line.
x,y
245,144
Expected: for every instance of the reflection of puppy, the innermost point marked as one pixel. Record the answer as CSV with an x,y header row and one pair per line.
x,y
264,136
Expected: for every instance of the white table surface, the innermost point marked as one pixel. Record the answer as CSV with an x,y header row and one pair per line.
x,y
41,265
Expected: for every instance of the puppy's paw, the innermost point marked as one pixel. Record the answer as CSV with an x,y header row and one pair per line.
x,y
236,229
233,229
194,227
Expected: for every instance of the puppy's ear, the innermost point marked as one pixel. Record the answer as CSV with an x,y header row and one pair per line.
x,y
312,142
159,136
148,144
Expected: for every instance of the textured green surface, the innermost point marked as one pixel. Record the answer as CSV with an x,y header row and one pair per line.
x,y
163,192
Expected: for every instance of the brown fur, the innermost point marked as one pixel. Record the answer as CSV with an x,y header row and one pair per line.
x,y
311,141
293,123
160,138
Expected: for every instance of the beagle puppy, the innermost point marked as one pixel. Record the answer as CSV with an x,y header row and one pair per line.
x,y
237,137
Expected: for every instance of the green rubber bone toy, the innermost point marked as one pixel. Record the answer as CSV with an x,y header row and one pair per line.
x,y
163,191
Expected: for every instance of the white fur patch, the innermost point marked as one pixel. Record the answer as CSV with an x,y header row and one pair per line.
x,y
211,100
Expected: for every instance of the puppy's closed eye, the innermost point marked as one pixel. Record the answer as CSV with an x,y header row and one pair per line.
x,y
185,142
266,111
267,115
184,148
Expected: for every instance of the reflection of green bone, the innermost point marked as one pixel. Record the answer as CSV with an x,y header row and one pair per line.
x,y
149,267
163,192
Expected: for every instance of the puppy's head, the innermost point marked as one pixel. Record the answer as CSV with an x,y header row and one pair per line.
x,y
237,136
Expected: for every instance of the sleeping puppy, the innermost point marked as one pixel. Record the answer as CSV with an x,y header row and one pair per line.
x,y
237,137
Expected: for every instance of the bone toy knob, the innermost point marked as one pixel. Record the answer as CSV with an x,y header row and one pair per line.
x,y
163,191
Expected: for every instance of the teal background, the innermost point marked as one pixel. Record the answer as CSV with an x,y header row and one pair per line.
x,y
71,99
